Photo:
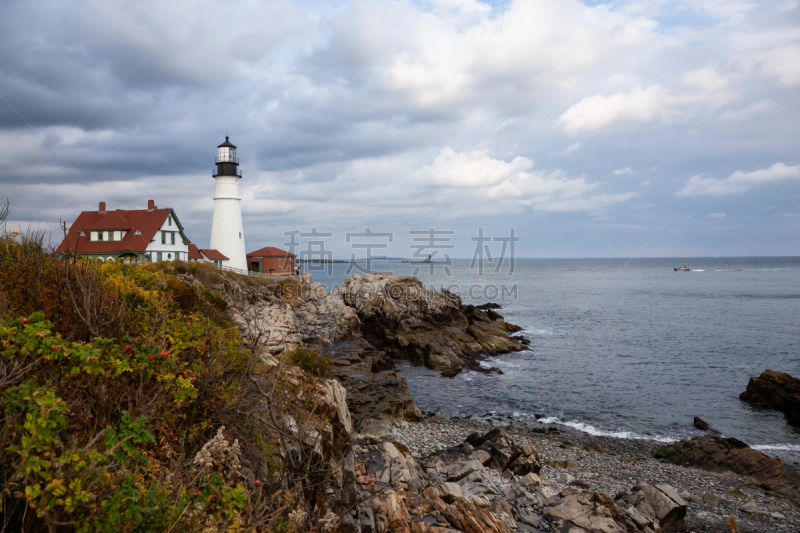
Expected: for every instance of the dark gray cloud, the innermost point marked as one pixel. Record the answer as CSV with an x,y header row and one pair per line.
x,y
394,117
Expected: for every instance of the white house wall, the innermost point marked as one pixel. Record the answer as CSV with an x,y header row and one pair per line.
x,y
179,250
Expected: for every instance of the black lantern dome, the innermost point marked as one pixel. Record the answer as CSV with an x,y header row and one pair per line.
x,y
227,162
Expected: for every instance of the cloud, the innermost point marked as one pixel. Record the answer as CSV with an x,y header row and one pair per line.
x,y
784,63
754,110
639,105
566,151
644,206
739,181
621,171
716,215
707,79
514,183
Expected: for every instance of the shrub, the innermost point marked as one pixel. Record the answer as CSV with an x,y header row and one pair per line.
x,y
311,362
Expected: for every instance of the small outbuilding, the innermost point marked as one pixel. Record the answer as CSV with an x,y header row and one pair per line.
x,y
272,261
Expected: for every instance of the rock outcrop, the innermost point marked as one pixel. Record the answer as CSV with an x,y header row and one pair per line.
x,y
778,391
430,328
466,489
372,320
717,454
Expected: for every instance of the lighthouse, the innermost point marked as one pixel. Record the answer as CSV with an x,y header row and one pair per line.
x,y
227,234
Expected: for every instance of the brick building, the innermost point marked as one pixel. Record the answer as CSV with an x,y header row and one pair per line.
x,y
272,261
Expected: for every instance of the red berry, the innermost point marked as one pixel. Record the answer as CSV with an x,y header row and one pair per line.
x,y
151,357
79,433
258,482
24,320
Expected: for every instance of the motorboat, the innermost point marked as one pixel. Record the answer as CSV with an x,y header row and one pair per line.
x,y
684,268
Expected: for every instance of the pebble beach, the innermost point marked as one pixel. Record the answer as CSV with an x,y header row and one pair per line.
x,y
610,466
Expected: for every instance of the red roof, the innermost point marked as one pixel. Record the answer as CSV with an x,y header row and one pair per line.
x,y
145,221
270,251
213,254
194,252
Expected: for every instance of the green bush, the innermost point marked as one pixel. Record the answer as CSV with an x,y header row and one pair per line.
x,y
311,362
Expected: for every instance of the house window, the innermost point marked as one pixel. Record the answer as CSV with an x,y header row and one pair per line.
x,y
172,237
169,221
169,256
100,235
280,261
159,256
163,237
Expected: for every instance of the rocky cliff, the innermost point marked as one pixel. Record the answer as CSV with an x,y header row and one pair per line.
x,y
363,327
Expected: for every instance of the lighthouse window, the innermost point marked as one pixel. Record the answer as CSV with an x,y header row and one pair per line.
x,y
240,234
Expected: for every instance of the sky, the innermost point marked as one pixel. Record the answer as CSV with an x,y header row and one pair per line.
x,y
589,129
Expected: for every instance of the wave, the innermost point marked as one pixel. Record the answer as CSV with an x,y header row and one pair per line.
x,y
591,430
781,447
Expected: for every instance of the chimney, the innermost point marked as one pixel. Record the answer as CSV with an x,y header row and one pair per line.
x,y
151,204
102,207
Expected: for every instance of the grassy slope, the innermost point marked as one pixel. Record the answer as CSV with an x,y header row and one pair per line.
x,y
113,377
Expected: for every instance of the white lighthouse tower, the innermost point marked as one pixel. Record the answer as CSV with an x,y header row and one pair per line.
x,y
227,234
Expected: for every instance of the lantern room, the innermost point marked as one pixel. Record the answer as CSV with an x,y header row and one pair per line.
x,y
227,162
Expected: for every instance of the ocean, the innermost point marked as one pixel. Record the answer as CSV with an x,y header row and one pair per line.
x,y
624,348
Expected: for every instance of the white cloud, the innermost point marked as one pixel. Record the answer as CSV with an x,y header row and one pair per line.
x,y
716,215
597,111
644,206
754,110
621,171
566,151
707,79
784,63
739,181
514,182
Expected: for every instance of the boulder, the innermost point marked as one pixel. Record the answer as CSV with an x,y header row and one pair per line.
x,y
505,454
668,507
460,470
432,328
777,390
589,511
701,424
717,454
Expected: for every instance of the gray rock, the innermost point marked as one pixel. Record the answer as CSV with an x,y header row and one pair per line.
x,y
482,456
450,492
710,499
460,470
580,483
668,506
565,478
695,499
736,493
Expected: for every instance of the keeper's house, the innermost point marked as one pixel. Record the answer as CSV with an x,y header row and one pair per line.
x,y
271,260
130,236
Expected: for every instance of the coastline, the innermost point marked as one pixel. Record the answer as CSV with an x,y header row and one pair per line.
x,y
611,465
